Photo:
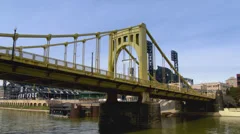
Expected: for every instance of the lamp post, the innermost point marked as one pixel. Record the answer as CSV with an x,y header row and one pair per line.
x,y
92,64
14,43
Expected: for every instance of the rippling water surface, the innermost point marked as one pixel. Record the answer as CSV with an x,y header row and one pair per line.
x,y
19,122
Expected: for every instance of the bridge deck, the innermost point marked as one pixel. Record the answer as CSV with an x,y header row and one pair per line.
x,y
32,68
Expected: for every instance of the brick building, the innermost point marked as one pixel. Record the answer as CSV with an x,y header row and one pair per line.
x,y
238,80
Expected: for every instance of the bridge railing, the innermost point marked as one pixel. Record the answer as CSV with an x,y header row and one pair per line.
x,y
86,69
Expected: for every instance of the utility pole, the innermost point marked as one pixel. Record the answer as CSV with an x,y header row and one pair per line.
x,y
14,43
92,64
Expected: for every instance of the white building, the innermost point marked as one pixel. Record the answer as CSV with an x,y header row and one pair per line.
x,y
211,87
232,81
1,92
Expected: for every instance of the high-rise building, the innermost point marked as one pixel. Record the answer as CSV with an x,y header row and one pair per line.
x,y
232,81
165,75
238,80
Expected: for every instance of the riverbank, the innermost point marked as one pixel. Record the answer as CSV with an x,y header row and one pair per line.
x,y
178,114
44,109
227,112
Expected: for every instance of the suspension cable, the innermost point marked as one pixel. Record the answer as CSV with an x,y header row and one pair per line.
x,y
163,71
62,35
59,44
124,73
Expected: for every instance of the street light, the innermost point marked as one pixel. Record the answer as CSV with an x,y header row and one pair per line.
x,y
14,43
92,64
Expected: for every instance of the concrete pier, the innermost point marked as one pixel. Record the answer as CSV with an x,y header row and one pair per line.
x,y
208,106
125,116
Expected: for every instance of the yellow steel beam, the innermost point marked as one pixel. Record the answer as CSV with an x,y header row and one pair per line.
x,y
58,44
59,35
4,47
151,77
131,55
68,76
45,36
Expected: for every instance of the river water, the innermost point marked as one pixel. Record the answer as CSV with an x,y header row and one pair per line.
x,y
21,122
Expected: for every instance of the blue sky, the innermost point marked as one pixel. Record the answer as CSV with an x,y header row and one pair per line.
x,y
205,33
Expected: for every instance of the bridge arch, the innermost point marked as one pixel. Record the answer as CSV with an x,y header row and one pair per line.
x,y
135,37
121,49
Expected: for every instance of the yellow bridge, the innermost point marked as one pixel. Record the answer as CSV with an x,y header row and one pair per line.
x,y
19,65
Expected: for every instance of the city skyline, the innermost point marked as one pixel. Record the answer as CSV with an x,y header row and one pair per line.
x,y
205,33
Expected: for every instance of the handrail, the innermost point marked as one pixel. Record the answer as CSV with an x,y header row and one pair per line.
x,y
99,72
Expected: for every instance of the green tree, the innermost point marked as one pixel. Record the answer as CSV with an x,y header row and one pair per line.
x,y
235,93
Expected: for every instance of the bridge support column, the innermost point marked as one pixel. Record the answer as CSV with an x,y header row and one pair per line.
x,y
143,97
219,102
124,116
205,106
197,106
111,97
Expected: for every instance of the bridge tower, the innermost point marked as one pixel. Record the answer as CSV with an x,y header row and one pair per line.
x,y
135,37
145,113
